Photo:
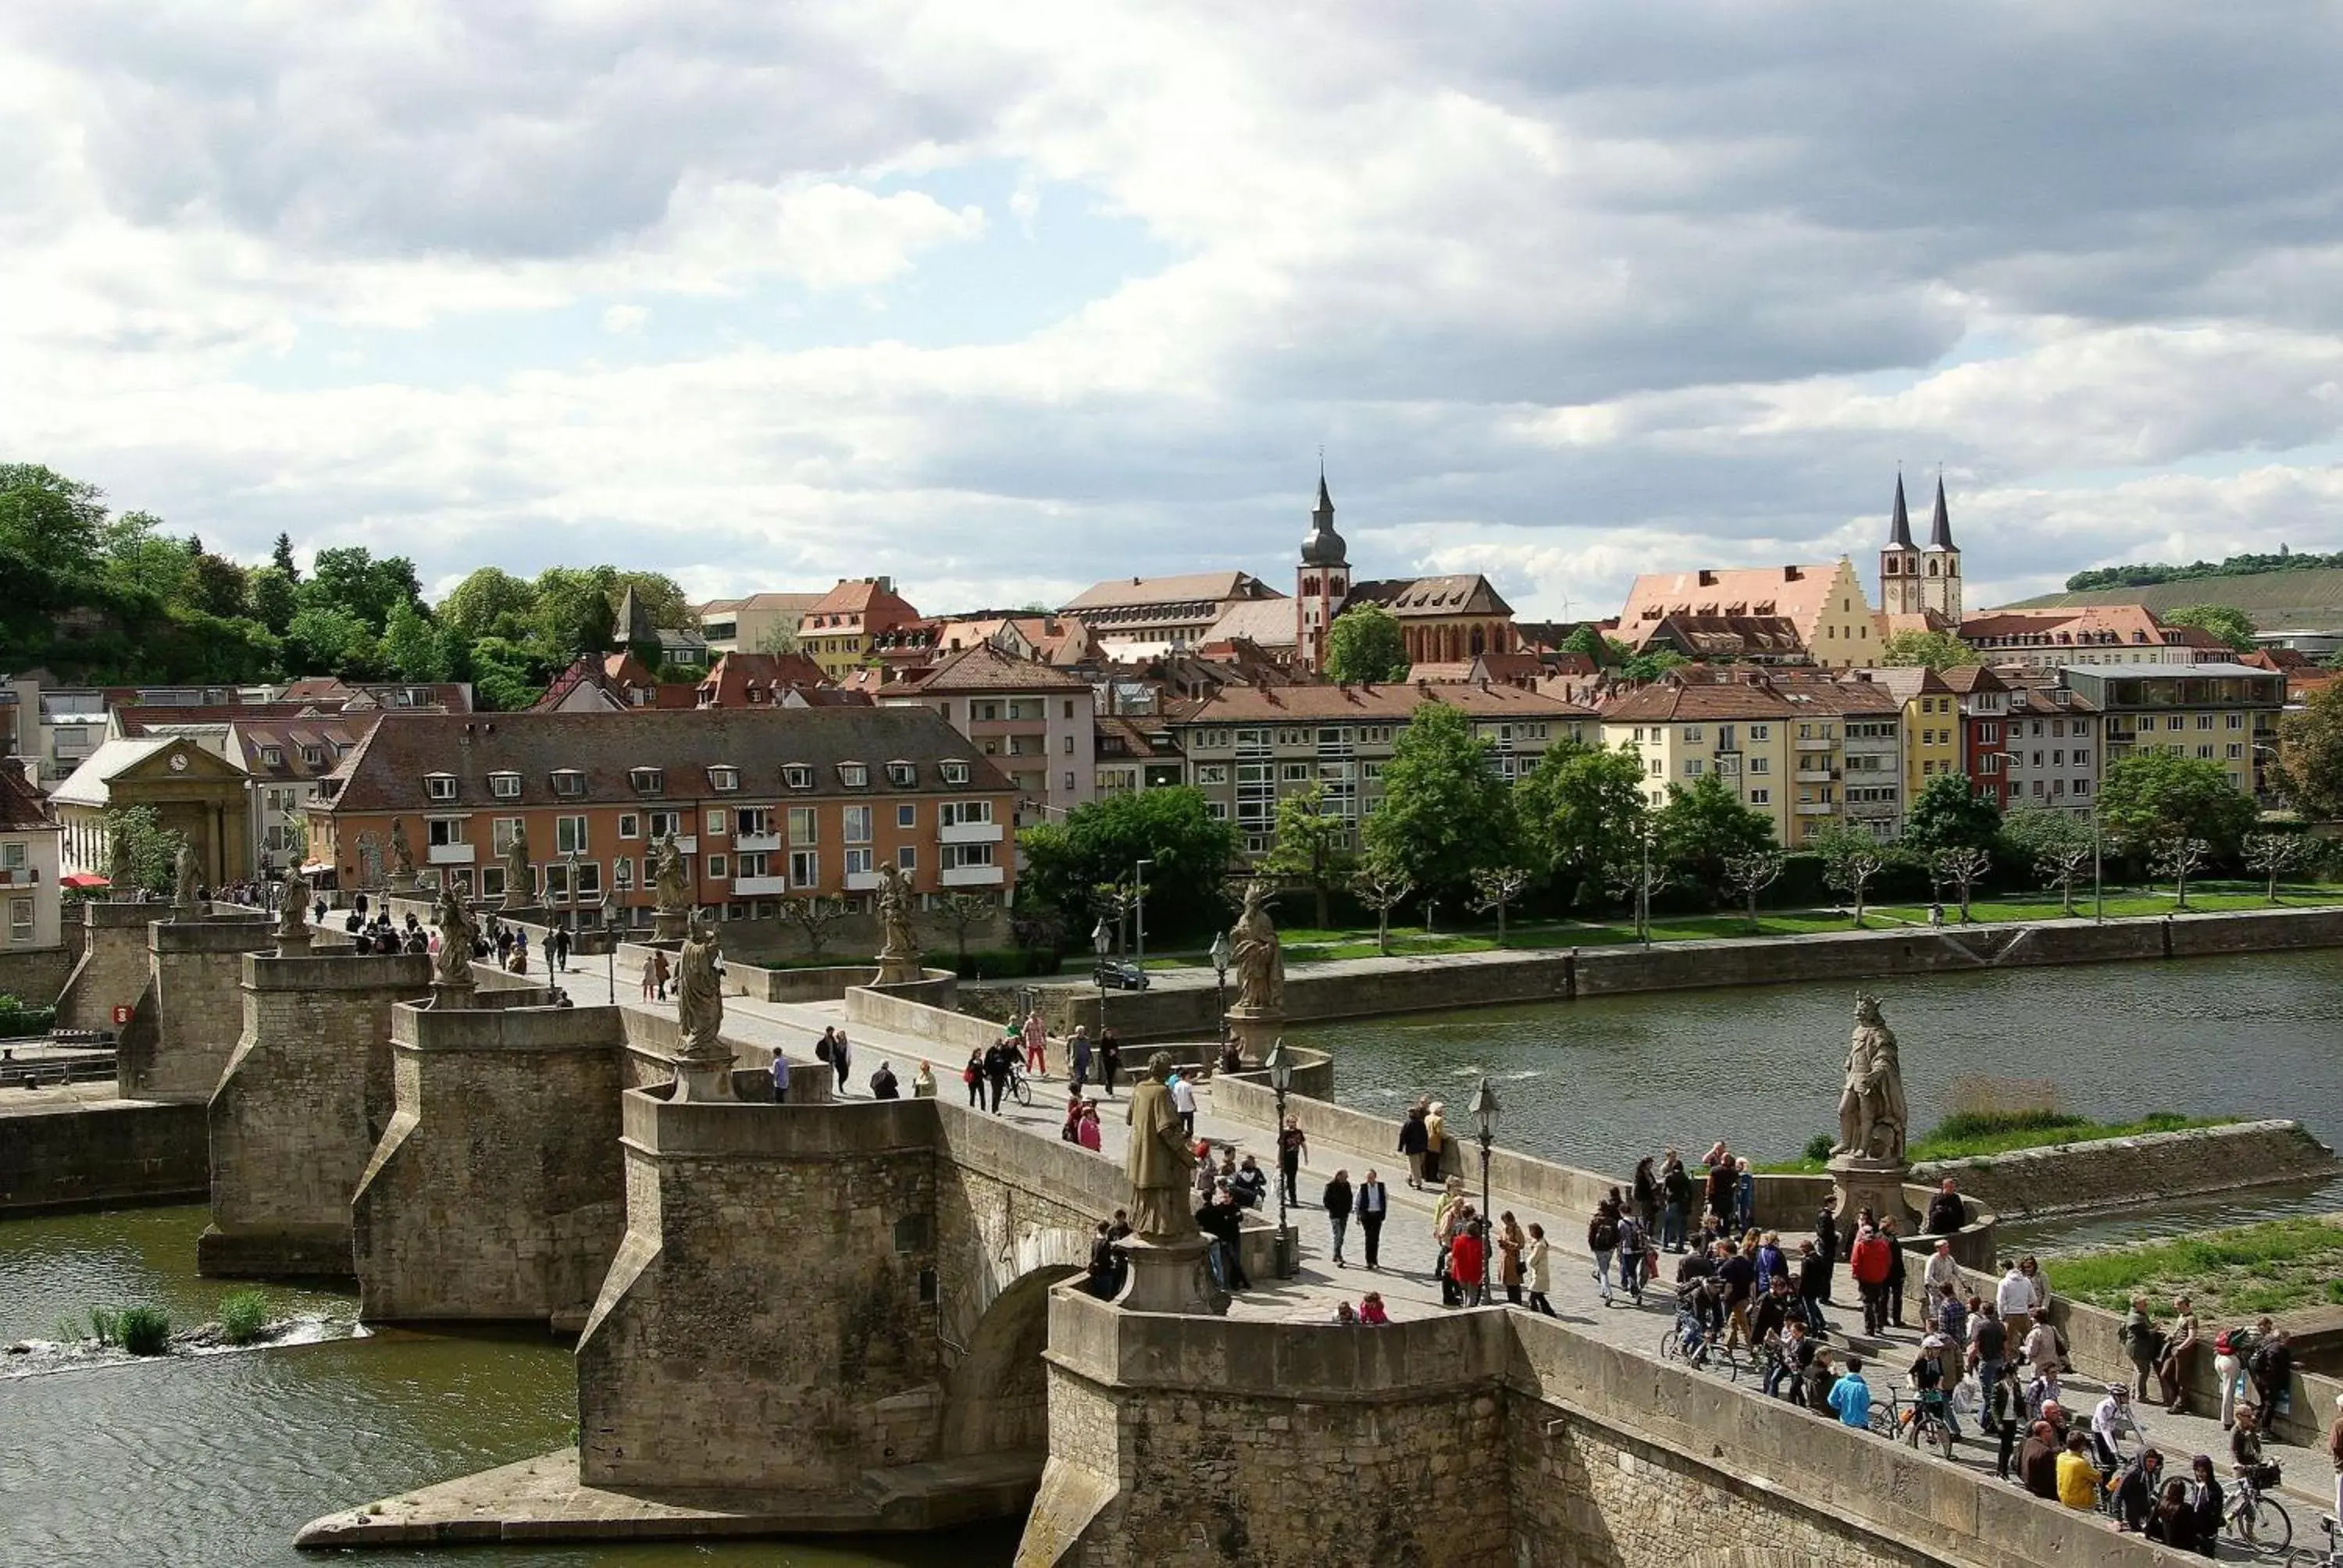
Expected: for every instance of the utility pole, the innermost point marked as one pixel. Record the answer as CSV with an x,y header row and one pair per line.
x,y
2099,883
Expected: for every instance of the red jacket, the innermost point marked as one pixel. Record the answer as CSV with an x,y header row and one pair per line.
x,y
1464,1259
1870,1259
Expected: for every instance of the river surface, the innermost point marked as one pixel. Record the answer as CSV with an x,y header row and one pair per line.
x,y
214,1461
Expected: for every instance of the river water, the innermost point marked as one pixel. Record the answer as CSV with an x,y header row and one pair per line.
x,y
215,1462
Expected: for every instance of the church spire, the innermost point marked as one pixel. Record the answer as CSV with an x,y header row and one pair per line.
x,y
1940,529
1899,525
1323,547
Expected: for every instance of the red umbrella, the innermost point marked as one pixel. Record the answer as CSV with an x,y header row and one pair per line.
x,y
83,880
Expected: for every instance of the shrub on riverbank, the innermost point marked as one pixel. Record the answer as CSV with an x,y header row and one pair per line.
x,y
244,1316
1969,1134
141,1330
2238,1273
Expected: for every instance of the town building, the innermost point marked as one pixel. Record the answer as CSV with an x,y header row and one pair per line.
x,y
1450,619
1847,741
1931,720
1052,639
1760,639
31,866
194,791
751,625
1983,699
1825,604
1147,618
286,750
1919,590
1732,726
612,683
2224,713
1137,752
1038,724
1247,746
758,680
2111,634
841,630
763,805
392,697
2051,754
679,647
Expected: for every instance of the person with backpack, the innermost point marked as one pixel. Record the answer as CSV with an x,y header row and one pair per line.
x,y
1602,1241
1635,1261
2142,1341
1412,1143
2271,1366
2230,1349
1675,1201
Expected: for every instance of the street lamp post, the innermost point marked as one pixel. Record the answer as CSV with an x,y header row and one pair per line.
x,y
1101,942
573,906
1281,1079
2098,882
1643,901
1221,981
1138,915
1486,1112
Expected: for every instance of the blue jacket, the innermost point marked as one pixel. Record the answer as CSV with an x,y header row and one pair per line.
x,y
1851,1397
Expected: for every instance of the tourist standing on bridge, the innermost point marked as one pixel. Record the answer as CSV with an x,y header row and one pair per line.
x,y
1867,1261
2334,1455
1539,1264
1414,1140
1468,1259
1036,1045
780,1077
2037,1462
2142,1341
1827,1239
1602,1242
1850,1397
1635,1256
2180,1351
2271,1366
884,1084
1676,1194
1435,1139
1183,1100
1078,1058
1895,1275
1292,1148
1814,1285
1109,1060
841,1057
1510,1244
558,947
1336,1199
1945,1214
1373,1204
1644,1188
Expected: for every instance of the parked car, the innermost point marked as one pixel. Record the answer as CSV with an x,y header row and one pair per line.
x,y
1120,974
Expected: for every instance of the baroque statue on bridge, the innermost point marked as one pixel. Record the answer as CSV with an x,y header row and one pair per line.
x,y
520,881
451,966
402,854
1159,1161
182,878
1871,1110
699,993
293,907
1256,956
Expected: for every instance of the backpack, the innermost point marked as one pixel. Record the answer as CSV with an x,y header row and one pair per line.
x,y
821,1048
1630,1233
1602,1234
2232,1342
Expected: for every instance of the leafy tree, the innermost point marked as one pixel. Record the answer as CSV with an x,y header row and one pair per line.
x,y
1633,880
281,556
1382,887
1100,840
962,912
1750,874
136,834
1948,814
2273,855
1586,639
2055,844
1444,813
333,642
413,650
217,585
814,915
1652,666
1574,807
1963,866
575,611
1851,859
273,597
1495,887
2179,858
661,596
490,602
50,518
2228,623
780,638
1366,644
2309,767
1311,849
350,580
139,556
506,677
1934,649
1702,827
2154,796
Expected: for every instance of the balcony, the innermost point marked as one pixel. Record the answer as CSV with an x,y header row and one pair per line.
x,y
970,833
862,881
449,855
970,876
1817,807
756,843
759,887
20,877
1818,776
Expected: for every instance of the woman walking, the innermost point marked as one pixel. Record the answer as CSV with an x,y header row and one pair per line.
x,y
1539,1266
1511,1245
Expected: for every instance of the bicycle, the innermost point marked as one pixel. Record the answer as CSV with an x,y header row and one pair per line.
x,y
2330,1558
2259,1521
1019,1088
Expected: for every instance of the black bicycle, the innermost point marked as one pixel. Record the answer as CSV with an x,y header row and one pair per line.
x,y
2259,1521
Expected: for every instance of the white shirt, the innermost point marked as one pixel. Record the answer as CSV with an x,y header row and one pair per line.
x,y
1183,1096
1942,1271
2014,1297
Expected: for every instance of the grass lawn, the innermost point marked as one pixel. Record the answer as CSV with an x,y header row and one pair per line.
x,y
1969,1135
2231,1274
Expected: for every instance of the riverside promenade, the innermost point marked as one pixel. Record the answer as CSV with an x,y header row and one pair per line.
x,y
1406,1279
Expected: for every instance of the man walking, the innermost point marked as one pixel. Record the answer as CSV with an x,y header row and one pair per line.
x,y
998,1058
1183,1100
559,947
1370,1203
1078,1053
1036,1045
1292,1148
1337,1199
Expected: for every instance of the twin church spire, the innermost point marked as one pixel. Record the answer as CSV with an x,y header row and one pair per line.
x,y
1913,581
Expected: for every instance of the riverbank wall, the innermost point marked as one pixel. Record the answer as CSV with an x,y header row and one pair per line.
x,y
1181,1005
72,1153
2123,1173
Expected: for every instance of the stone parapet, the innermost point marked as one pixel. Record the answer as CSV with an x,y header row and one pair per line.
x,y
2113,1172
112,969
496,1191
304,1098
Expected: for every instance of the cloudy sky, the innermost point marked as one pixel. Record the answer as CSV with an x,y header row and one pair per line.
x,y
1003,299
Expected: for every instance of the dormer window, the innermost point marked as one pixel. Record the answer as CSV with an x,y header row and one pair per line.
x,y
797,776
569,783
724,780
272,757
955,772
902,775
647,781
505,786
440,786
853,775
313,756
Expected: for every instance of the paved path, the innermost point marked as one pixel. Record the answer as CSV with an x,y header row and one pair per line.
x,y
1405,1278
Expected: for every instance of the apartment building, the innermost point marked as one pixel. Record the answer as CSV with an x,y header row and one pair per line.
x,y
1135,753
1931,723
30,861
747,625
1983,699
1247,746
1690,725
842,630
2051,754
762,805
2225,713
2096,634
1848,744
1038,724
1147,618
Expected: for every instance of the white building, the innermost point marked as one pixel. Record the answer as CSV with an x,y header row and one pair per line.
x,y
30,851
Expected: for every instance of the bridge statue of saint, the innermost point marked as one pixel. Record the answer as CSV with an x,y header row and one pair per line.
x,y
1254,952
1167,1273
1868,1162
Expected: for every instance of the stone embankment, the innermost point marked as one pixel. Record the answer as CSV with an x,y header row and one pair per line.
x,y
2117,1172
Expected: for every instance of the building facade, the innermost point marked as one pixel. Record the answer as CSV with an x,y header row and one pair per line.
x,y
1983,699
1248,747
193,790
1824,603
2104,634
1036,725
841,630
767,805
1147,618
1450,619
2051,754
749,625
2224,713
1920,589
31,862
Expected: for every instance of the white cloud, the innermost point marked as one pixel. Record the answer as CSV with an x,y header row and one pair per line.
x,y
625,320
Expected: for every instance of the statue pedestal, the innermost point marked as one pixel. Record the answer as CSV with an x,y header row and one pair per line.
x,y
293,945
1170,1277
403,885
447,998
185,914
1255,1030
669,925
899,969
1875,1184
703,1081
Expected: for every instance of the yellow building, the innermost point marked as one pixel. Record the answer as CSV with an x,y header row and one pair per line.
x,y
1931,725
841,630
1689,724
1824,603
2224,713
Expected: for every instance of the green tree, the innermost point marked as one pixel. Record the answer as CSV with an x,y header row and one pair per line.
x,y
2228,622
1099,843
1653,665
2153,797
1382,887
780,638
413,648
2273,855
2310,768
1583,638
1750,874
506,677
1366,644
661,596
332,642
350,580
1702,827
275,598
1311,849
217,585
1573,808
140,557
51,519
153,850
1852,859
2055,844
1934,649
280,555
1444,813
490,602
575,611
1947,814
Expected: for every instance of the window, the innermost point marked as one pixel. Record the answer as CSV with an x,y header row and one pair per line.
x,y
2237,720
753,864
907,859
569,783
20,920
443,831
2174,722
802,825
1211,772
629,825
505,786
2204,752
853,775
272,757
556,879
1761,797
1295,773
964,813
753,822
805,869
11,857
313,756
2237,751
724,780
716,868
1655,767
1069,745
957,855
857,826
570,836
902,775
859,862
500,834
666,824
1760,732
907,816
955,772
1692,734
440,786
716,824
798,775
1691,767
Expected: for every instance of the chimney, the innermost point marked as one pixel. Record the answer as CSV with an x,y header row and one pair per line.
x,y
1707,579
1792,574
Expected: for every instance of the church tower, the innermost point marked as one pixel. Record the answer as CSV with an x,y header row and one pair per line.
x,y
1940,583
1899,563
1320,583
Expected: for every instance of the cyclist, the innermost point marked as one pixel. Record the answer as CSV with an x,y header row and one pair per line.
x,y
1928,1387
2136,1490
2112,1417
1690,1332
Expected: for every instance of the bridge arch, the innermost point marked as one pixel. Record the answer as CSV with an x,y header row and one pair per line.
x,y
996,1398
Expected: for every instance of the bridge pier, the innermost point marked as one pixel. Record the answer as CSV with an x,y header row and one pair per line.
x,y
193,994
